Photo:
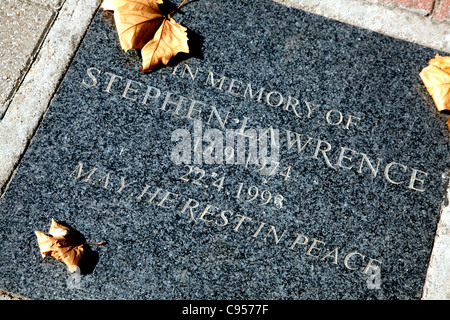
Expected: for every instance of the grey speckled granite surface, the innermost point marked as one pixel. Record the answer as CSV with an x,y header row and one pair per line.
x,y
355,218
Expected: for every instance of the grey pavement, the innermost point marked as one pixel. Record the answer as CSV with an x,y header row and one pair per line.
x,y
22,28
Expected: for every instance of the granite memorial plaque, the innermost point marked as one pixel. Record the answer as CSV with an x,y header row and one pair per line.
x,y
288,156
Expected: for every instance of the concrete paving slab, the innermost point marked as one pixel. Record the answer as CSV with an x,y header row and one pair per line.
x,y
437,285
22,25
53,4
34,95
386,19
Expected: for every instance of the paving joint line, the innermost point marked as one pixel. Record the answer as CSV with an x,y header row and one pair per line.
x,y
29,63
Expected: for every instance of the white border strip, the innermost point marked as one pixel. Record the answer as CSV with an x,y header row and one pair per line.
x,y
389,20
437,284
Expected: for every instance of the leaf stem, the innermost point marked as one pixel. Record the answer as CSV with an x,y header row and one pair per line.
x,y
177,8
95,243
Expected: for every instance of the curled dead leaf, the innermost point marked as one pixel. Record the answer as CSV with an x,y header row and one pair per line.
x,y
63,243
436,77
168,40
141,25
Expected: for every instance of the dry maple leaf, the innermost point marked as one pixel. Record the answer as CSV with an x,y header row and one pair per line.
x,y
141,25
63,244
436,77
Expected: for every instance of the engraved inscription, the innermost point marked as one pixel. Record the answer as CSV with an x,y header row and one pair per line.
x,y
221,137
215,216
251,194
326,152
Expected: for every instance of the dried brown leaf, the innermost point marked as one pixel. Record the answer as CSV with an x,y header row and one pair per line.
x,y
141,25
63,244
436,77
168,40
